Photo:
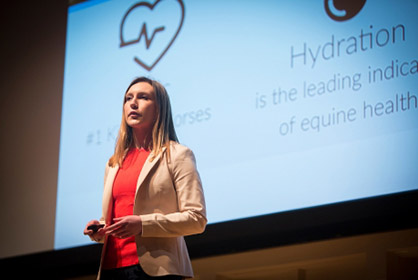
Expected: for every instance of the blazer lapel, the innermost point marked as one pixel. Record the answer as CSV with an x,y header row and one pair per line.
x,y
107,192
148,165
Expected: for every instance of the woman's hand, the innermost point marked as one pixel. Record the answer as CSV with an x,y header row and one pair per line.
x,y
94,235
125,227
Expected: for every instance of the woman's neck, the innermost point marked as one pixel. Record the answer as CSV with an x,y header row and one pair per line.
x,y
142,139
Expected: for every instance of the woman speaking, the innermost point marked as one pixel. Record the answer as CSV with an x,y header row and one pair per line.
x,y
152,194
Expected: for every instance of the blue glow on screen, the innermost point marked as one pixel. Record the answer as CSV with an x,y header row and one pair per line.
x,y
284,105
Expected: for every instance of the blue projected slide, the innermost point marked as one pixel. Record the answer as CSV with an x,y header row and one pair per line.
x,y
286,104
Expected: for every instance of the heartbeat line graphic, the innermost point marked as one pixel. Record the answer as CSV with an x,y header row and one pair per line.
x,y
144,33
149,57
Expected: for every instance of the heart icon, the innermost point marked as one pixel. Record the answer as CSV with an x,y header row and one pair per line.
x,y
163,34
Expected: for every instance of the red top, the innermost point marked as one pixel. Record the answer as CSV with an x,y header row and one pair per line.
x,y
122,252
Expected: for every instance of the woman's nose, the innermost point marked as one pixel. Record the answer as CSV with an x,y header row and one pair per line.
x,y
133,104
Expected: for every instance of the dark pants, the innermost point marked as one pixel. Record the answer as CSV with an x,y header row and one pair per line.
x,y
134,272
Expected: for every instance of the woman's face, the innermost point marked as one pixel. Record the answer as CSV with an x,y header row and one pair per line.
x,y
140,106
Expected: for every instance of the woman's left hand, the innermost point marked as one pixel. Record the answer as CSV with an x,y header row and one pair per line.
x,y
125,227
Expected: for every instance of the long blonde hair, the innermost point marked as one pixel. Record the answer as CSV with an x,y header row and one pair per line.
x,y
162,132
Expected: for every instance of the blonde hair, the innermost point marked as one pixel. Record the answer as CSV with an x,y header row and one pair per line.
x,y
162,132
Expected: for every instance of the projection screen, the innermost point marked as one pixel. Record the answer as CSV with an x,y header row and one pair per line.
x,y
286,104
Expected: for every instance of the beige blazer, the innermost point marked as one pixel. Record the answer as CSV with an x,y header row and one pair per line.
x,y
169,198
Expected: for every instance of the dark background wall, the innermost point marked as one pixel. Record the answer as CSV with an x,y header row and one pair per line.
x,y
32,64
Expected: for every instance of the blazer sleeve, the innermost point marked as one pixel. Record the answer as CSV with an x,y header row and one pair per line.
x,y
191,216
